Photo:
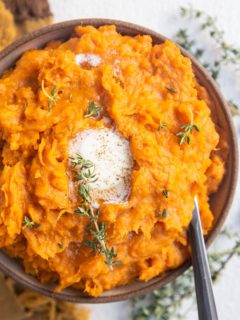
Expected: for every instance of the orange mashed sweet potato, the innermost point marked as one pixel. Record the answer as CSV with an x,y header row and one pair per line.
x,y
149,92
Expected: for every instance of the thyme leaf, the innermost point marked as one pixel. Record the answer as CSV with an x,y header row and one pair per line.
x,y
162,126
165,193
93,110
60,245
78,160
84,192
234,108
53,96
171,89
164,213
161,214
27,223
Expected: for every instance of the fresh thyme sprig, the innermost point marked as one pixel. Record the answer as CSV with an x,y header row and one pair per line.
x,y
53,96
184,135
27,223
187,130
166,303
93,110
85,170
98,244
229,55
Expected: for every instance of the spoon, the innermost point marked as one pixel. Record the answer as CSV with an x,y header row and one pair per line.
x,y
202,277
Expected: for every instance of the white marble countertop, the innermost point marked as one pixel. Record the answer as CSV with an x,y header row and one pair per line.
x,y
161,15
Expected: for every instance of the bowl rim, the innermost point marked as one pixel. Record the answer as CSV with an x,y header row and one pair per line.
x,y
171,275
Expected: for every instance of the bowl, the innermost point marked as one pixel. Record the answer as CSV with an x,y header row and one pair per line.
x,y
220,202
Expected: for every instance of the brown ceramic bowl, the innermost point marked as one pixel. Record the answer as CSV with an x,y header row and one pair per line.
x,y
220,202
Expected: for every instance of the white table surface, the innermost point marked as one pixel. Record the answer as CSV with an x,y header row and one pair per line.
x,y
162,16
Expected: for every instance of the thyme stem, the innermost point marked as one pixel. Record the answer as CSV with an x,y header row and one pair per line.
x,y
95,229
101,241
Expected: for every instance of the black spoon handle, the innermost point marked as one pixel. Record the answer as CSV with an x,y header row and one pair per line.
x,y
202,277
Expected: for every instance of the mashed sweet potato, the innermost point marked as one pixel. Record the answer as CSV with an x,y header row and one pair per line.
x,y
149,92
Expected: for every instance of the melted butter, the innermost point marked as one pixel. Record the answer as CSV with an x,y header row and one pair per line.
x,y
111,155
92,59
